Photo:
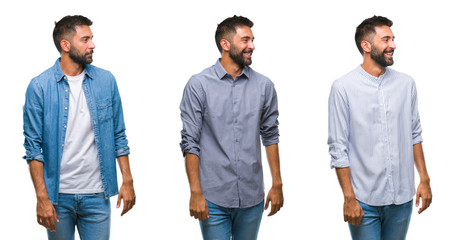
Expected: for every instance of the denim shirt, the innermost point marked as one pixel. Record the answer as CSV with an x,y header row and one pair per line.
x,y
46,115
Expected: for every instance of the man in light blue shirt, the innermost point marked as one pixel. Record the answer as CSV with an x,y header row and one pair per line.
x,y
74,130
375,139
225,109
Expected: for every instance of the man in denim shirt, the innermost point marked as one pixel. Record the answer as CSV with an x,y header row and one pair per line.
x,y
225,109
74,130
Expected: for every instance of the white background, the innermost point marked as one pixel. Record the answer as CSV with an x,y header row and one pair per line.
x,y
153,47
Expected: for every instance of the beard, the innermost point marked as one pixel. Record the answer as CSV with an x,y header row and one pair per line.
x,y
79,58
379,57
237,56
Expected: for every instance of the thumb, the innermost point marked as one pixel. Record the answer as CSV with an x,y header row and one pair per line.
x,y
55,216
267,203
119,200
418,195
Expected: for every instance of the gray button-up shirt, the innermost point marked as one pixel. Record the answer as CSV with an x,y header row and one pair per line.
x,y
373,125
223,120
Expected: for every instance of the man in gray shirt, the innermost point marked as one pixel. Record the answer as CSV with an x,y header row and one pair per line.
x,y
375,139
225,109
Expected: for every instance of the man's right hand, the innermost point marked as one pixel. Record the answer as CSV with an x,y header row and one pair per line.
x,y
353,213
46,214
198,206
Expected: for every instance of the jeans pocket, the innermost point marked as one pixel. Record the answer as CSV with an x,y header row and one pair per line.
x,y
104,110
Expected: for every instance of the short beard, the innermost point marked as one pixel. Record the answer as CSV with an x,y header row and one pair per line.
x,y
380,57
79,58
237,57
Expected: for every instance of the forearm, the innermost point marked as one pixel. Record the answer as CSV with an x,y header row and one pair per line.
x,y
272,153
123,162
192,170
37,175
420,163
343,175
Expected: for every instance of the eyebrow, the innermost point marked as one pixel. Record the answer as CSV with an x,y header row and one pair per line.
x,y
388,37
247,37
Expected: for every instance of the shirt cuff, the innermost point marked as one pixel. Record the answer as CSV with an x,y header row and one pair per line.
x,y
340,163
30,156
122,152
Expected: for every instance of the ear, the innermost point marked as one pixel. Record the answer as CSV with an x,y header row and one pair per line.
x,y
225,44
367,47
65,45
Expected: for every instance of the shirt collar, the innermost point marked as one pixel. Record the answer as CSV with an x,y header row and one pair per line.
x,y
221,73
59,75
377,80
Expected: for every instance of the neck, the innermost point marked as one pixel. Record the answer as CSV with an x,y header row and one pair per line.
x,y
69,67
372,67
230,66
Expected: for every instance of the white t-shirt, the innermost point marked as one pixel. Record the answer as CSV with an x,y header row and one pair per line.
x,y
79,172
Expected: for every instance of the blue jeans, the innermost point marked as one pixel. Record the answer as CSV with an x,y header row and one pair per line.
x,y
383,223
232,223
89,212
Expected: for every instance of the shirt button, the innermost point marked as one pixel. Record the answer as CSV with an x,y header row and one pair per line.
x,y
66,108
64,126
66,90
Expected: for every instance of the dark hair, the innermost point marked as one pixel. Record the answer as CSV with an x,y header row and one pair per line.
x,y
227,27
67,26
367,27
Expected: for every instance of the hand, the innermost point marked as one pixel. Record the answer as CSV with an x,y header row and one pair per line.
x,y
129,197
198,206
353,213
425,193
276,197
46,214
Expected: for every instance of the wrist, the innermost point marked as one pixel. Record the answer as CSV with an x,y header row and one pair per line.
x,y
424,180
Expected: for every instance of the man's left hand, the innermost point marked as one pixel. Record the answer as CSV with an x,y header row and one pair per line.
x,y
276,197
425,193
129,197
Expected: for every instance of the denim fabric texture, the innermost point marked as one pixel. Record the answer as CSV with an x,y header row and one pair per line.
x,y
46,115
89,212
383,222
232,223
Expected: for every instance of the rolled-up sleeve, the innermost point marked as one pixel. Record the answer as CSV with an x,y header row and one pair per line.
x,y
191,108
121,141
33,122
269,129
416,124
338,132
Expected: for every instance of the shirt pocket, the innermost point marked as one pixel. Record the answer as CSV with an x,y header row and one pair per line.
x,y
104,110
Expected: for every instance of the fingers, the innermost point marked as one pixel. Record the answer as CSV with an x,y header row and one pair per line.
x,y
128,203
426,201
276,205
353,212
46,215
198,207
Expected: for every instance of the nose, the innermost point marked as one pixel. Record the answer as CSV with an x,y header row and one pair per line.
x,y
251,45
92,45
392,44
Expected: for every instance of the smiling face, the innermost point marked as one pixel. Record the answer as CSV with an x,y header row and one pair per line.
x,y
81,45
242,46
382,46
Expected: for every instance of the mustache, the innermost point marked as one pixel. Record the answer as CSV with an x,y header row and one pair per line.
x,y
247,51
389,51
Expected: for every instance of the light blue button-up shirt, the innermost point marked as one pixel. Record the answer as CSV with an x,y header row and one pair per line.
x,y
46,116
222,123
373,125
